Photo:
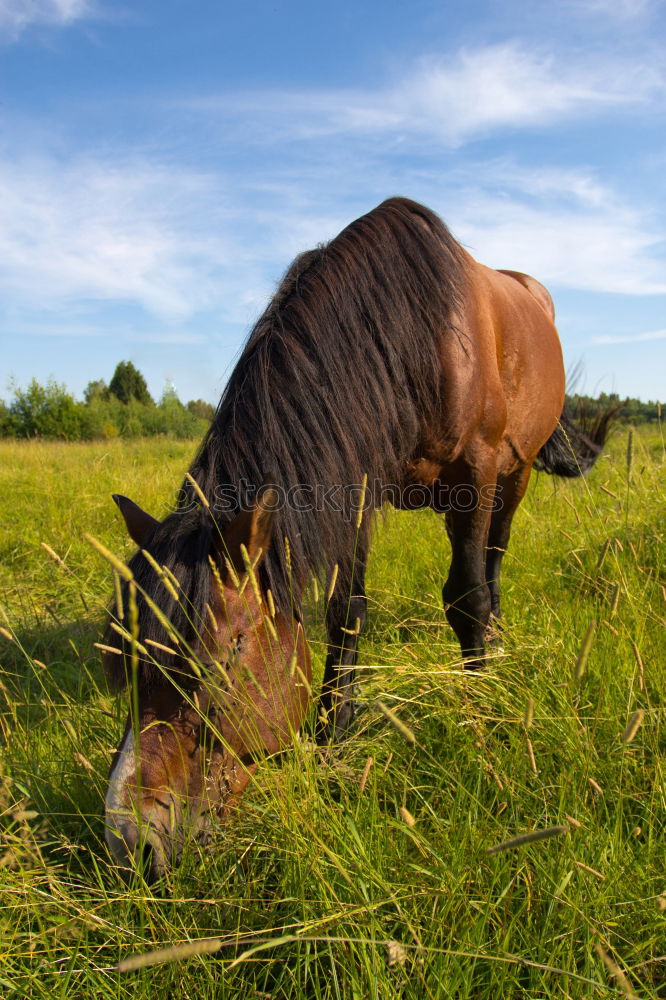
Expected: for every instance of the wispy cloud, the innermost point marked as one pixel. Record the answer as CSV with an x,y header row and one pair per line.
x,y
133,239
631,339
89,230
17,15
455,98
507,86
599,249
573,186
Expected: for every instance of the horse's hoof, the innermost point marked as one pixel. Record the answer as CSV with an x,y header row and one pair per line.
x,y
475,665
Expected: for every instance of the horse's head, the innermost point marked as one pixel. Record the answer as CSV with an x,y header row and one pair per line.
x,y
217,678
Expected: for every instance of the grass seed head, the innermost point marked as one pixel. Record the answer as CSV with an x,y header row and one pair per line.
x,y
528,717
249,569
582,658
615,600
118,592
616,972
56,558
528,838
197,489
211,617
364,486
633,725
161,646
395,721
364,777
396,953
332,583
110,557
407,816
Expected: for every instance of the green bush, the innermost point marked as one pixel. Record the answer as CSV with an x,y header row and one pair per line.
x,y
46,411
52,412
96,390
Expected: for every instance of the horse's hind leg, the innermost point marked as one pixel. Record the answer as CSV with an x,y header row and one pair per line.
x,y
465,593
345,621
509,492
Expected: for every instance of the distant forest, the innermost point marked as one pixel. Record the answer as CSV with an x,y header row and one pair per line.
x,y
628,411
124,408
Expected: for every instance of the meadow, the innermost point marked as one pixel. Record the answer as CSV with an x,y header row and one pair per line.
x,y
363,871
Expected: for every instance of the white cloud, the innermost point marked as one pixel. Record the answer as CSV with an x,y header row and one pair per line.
x,y
507,86
17,15
564,225
569,185
165,254
595,249
454,99
86,231
635,339
86,242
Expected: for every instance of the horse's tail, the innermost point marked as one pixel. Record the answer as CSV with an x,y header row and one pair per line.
x,y
573,448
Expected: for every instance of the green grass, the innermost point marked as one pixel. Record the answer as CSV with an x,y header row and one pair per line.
x,y
318,889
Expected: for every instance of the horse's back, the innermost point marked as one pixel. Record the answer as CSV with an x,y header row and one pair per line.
x,y
535,288
512,314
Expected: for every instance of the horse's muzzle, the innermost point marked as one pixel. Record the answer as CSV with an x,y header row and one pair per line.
x,y
138,847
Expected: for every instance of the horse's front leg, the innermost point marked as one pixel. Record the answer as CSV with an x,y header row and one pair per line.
x,y
467,599
345,621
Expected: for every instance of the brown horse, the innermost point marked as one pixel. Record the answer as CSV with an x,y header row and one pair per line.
x,y
389,354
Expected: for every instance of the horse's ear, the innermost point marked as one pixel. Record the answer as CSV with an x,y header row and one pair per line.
x,y
139,524
252,528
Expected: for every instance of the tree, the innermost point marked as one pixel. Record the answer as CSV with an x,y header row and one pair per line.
x,y
128,383
200,408
169,396
6,424
96,391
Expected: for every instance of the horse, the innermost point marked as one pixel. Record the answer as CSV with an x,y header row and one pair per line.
x,y
388,366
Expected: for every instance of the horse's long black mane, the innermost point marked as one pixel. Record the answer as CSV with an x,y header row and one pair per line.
x,y
338,378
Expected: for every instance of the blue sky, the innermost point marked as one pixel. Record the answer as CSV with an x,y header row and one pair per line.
x,y
162,162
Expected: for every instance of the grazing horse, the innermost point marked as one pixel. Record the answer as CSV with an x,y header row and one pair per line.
x,y
389,365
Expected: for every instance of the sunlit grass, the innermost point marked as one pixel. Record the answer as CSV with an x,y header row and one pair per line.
x,y
362,872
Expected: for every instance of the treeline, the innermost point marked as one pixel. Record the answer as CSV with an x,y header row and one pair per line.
x,y
123,408
627,411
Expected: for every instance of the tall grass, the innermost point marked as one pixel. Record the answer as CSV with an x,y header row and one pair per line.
x,y
367,871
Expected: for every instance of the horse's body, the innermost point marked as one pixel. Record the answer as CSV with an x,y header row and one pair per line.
x,y
392,354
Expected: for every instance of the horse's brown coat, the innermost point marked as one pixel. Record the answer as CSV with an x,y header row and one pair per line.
x,y
389,352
